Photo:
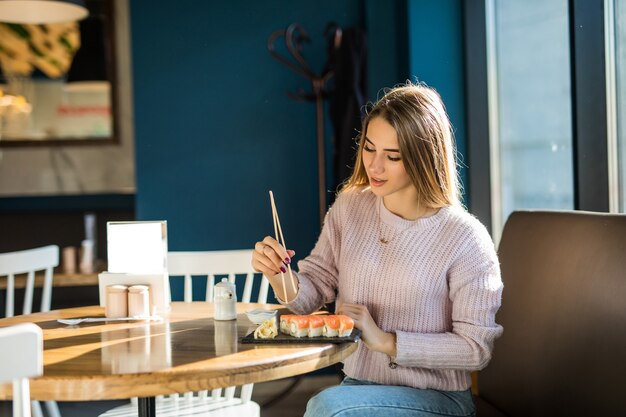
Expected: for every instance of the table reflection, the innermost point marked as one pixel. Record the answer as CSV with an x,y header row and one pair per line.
x,y
225,337
138,349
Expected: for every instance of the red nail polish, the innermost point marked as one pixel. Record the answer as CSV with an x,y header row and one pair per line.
x,y
283,270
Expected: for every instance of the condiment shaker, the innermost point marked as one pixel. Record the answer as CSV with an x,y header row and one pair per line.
x,y
139,301
86,265
225,300
116,301
69,260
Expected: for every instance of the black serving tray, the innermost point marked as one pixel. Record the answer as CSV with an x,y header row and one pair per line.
x,y
288,339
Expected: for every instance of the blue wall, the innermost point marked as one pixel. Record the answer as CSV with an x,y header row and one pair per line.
x,y
435,45
386,25
215,130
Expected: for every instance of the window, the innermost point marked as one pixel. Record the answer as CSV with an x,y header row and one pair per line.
x,y
530,122
619,33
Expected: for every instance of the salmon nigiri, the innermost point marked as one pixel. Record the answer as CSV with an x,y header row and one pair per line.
x,y
299,326
316,325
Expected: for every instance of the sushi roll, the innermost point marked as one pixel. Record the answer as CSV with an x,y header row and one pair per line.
x,y
284,323
346,324
316,325
299,326
331,326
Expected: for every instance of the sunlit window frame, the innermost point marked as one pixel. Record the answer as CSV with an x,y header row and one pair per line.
x,y
611,106
596,170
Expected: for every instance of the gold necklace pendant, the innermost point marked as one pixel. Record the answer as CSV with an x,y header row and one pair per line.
x,y
385,241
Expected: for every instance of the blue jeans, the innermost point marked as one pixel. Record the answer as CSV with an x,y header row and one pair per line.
x,y
364,399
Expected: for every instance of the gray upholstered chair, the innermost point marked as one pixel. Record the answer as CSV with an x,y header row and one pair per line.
x,y
564,317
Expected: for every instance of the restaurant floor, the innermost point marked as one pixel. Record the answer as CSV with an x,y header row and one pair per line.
x,y
292,404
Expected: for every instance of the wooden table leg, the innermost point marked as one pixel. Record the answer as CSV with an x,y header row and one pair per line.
x,y
147,407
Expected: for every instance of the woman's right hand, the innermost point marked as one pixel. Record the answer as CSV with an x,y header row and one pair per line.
x,y
270,257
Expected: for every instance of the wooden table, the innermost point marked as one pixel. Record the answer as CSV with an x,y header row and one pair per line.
x,y
187,351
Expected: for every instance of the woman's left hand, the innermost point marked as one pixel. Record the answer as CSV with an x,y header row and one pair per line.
x,y
372,335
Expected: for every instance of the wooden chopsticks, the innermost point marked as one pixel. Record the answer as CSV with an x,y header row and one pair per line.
x,y
281,240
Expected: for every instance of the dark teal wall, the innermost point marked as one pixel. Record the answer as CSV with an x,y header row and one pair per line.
x,y
214,128
435,45
386,25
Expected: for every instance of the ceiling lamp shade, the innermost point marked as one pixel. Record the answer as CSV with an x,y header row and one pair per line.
x,y
41,11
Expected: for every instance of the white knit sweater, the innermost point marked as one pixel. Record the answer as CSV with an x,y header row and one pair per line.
x,y
436,284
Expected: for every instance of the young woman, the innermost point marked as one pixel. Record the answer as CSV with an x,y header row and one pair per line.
x,y
399,254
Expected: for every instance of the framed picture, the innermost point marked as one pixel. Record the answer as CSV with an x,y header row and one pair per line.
x,y
58,81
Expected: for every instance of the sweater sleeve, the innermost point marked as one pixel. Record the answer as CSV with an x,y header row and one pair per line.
x,y
475,293
318,272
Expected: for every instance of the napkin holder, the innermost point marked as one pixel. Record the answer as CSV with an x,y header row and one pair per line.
x,y
160,299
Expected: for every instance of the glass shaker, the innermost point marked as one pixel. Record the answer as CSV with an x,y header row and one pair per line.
x,y
116,301
139,301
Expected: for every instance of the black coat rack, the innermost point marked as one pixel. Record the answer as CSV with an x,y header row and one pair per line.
x,y
294,36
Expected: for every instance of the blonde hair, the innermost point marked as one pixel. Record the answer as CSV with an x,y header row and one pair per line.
x,y
425,139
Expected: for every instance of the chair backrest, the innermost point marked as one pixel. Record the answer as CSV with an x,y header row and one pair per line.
x,y
28,262
564,316
22,358
211,263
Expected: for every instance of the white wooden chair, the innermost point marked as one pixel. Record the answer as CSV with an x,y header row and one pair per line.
x,y
207,265
28,262
22,358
